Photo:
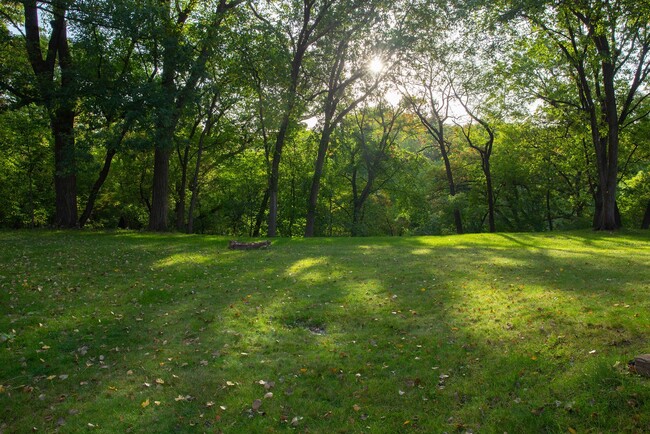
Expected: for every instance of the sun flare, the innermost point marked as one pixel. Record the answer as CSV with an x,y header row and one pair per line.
x,y
376,65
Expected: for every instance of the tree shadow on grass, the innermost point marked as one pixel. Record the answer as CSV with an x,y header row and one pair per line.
x,y
417,334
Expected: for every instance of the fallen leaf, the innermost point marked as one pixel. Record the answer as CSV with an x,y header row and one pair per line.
x,y
157,402
268,395
160,381
145,403
230,383
257,404
572,431
209,404
401,392
356,407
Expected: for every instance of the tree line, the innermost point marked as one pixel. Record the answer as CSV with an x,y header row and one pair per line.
x,y
325,117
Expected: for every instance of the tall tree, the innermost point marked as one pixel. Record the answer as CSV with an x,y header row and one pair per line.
x,y
307,22
183,60
430,97
481,143
373,143
342,74
54,76
602,48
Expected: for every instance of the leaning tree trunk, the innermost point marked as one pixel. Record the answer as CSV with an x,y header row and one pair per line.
x,y
260,214
94,192
275,176
315,183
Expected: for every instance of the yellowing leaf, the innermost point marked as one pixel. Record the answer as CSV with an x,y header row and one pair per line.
x,y
406,422
160,381
356,407
145,403
51,377
572,431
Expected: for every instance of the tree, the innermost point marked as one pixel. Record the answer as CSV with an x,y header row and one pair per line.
x,y
484,150
348,66
371,147
55,84
601,49
430,97
182,67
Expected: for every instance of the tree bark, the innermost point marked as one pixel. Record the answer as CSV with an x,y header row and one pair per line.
x,y
180,205
94,192
490,193
315,183
65,179
159,198
260,214
59,102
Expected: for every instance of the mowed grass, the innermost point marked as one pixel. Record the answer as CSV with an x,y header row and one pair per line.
x,y
131,332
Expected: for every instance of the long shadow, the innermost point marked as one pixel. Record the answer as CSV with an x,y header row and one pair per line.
x,y
421,328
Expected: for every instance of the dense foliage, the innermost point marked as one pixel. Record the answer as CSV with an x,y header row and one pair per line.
x,y
324,117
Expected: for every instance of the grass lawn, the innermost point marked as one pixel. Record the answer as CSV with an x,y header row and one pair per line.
x,y
131,332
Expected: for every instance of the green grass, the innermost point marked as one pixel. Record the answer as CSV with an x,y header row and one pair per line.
x,y
130,332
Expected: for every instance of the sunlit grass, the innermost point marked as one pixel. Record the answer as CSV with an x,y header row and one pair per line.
x,y
168,333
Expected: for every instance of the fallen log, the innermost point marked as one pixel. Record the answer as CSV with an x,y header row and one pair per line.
x,y
237,245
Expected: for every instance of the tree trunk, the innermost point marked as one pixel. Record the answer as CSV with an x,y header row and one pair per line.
x,y
490,194
452,189
260,214
160,199
646,218
94,192
315,183
180,205
65,179
275,176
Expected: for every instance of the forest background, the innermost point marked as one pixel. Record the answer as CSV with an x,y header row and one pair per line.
x,y
325,117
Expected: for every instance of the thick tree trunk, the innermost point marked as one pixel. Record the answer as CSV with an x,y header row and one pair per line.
x,y
94,192
315,183
646,218
160,199
65,179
